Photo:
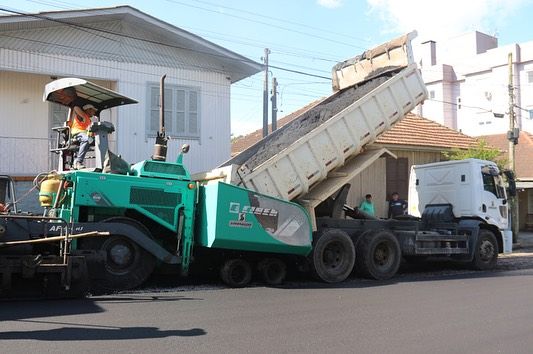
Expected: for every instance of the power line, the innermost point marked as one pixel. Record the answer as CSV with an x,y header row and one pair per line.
x,y
85,27
290,51
283,20
82,50
461,104
300,72
231,39
264,23
51,3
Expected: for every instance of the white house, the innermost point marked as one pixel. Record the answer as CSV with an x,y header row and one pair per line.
x,y
126,50
467,79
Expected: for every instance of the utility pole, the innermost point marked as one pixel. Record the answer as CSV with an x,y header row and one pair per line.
x,y
512,136
265,95
274,104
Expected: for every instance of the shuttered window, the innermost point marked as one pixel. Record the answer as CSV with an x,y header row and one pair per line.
x,y
397,177
182,115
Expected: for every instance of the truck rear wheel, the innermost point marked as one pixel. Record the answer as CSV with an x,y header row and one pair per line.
x,y
486,251
378,255
272,270
236,273
333,256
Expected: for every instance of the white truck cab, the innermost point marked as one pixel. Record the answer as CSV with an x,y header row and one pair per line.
x,y
474,188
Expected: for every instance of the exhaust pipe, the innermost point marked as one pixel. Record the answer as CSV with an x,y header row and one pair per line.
x,y
160,147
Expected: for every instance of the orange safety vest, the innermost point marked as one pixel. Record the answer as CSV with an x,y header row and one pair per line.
x,y
80,123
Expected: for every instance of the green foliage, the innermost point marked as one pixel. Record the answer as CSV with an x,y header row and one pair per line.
x,y
481,150
234,138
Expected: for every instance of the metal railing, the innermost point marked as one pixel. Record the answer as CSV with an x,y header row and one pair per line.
x,y
28,156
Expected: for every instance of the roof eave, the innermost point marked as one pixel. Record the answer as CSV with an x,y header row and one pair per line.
x,y
237,66
408,147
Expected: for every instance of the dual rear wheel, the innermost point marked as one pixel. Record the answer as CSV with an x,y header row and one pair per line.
x,y
376,256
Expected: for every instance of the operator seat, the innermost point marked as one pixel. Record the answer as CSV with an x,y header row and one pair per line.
x,y
67,147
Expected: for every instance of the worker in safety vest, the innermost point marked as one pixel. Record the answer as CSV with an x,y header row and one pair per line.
x,y
79,123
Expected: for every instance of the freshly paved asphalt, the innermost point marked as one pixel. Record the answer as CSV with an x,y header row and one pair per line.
x,y
417,312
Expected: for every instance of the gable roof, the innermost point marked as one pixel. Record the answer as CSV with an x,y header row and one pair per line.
x,y
411,131
523,152
120,33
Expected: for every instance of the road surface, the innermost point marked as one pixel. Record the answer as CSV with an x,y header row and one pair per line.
x,y
445,311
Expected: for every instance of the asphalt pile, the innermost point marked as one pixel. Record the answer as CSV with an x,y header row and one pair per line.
x,y
303,124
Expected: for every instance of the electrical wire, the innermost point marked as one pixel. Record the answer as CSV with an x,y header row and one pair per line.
x,y
282,20
124,35
91,29
242,41
265,23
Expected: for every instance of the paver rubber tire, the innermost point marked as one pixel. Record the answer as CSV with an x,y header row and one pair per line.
x,y
378,255
127,265
333,256
485,251
236,272
272,270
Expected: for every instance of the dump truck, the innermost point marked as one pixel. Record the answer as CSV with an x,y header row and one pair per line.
x,y
278,205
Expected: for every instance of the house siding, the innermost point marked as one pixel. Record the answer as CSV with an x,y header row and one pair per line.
x,y
373,179
130,79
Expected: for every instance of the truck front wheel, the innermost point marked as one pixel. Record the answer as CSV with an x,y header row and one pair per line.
x,y
378,255
333,256
486,251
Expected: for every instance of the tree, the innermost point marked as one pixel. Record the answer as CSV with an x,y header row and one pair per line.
x,y
481,150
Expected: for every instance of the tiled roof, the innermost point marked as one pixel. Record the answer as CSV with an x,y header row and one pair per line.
x,y
413,130
523,152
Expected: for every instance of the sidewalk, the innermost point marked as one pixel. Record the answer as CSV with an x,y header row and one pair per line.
x,y
525,240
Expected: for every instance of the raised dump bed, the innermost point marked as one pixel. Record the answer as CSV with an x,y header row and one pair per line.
x,y
289,162
303,159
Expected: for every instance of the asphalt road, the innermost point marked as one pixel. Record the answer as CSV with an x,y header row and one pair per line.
x,y
450,311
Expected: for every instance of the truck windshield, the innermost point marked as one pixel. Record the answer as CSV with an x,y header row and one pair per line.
x,y
493,184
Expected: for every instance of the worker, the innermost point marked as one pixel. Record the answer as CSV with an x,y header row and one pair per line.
x,y
367,205
79,123
397,206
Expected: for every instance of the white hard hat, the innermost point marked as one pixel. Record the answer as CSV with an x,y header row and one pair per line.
x,y
89,106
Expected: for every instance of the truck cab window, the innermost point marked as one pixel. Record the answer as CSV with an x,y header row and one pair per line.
x,y
493,184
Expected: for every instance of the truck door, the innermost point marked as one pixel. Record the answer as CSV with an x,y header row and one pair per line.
x,y
494,200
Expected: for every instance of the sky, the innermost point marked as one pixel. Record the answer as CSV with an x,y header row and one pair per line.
x,y
311,36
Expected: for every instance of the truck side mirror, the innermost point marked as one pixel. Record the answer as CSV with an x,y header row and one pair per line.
x,y
511,182
512,188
